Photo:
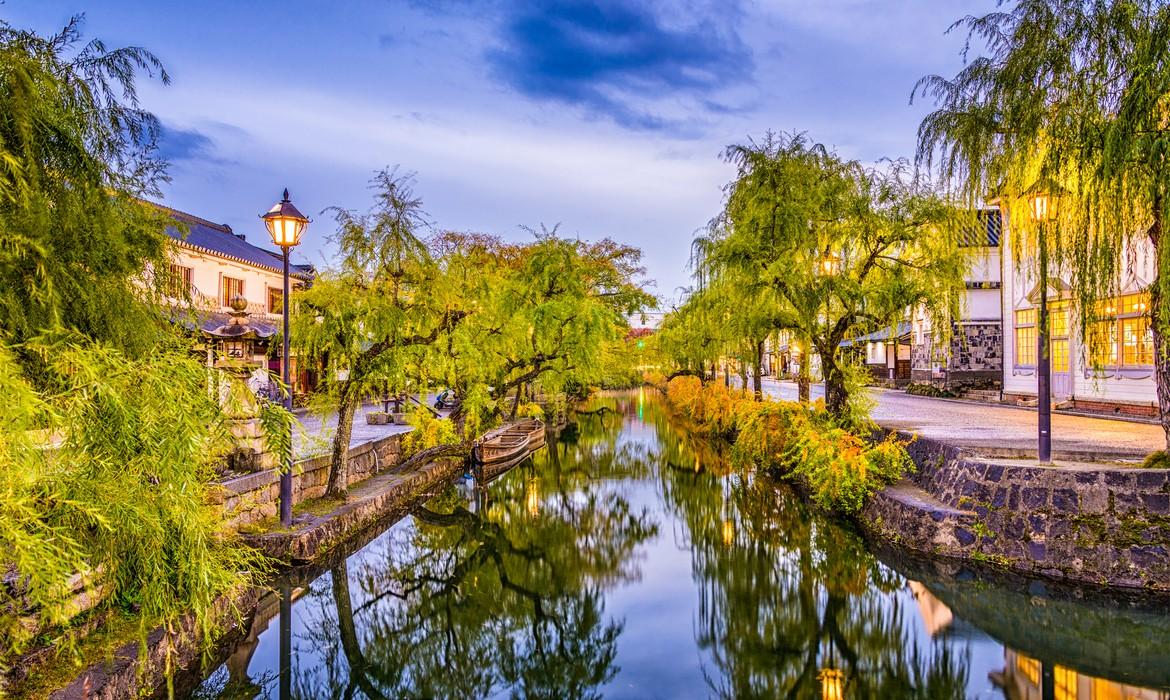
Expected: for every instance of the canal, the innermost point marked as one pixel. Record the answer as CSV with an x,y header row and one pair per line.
x,y
628,559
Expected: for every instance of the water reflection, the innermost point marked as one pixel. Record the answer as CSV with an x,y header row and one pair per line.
x,y
628,559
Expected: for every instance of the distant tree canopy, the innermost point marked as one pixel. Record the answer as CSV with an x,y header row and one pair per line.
x,y
1072,97
404,311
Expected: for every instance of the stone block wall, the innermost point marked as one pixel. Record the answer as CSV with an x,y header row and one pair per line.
x,y
254,497
1096,524
977,347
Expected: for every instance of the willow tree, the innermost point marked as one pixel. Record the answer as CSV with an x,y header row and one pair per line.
x,y
553,309
1071,93
366,320
833,250
76,151
109,436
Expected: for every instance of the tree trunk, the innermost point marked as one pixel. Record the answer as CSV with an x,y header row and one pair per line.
x,y
516,401
757,380
338,483
743,379
1161,351
836,396
804,376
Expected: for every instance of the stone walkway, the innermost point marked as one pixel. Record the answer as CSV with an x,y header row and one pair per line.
x,y
974,425
314,436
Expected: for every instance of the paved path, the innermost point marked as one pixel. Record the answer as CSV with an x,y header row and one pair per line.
x,y
314,436
971,424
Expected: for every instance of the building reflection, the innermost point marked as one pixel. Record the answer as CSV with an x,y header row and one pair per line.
x,y
1026,678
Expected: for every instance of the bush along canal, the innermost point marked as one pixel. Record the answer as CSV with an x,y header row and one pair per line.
x,y
630,560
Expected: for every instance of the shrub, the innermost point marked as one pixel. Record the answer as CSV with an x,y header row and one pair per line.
x,y
428,432
839,468
105,473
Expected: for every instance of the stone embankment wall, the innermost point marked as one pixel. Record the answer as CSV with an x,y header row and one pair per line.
x,y
254,497
1099,524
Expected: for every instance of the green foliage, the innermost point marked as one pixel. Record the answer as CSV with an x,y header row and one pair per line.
x,y
111,431
829,456
370,320
76,150
793,207
919,389
106,474
276,424
429,431
1157,460
1070,98
545,317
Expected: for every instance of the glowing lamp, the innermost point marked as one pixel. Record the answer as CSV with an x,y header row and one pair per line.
x,y
832,684
285,223
828,265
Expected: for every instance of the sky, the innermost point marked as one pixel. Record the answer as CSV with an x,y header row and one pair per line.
x,y
604,117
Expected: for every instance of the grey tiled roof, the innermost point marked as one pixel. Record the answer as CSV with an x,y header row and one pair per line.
x,y
902,331
219,239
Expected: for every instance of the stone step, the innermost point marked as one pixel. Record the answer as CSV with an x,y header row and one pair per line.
x,y
988,395
918,520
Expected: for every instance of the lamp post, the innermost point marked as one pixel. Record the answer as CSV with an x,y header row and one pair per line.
x,y
1042,208
285,225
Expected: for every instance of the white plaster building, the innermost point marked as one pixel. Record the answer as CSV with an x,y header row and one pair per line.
x,y
1109,370
975,353
210,266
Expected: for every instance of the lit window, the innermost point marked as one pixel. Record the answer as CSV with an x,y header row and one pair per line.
x,y
231,288
1065,683
1137,341
1026,338
1122,333
1103,344
1029,667
1059,354
275,300
1058,320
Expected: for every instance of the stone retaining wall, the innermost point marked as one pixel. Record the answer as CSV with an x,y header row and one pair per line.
x,y
254,497
1100,524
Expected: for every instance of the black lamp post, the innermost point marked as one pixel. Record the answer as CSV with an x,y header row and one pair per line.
x,y
1042,207
285,224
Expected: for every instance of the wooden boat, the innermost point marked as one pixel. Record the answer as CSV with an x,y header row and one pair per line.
x,y
502,445
535,430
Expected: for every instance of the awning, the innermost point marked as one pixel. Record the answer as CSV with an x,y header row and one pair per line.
x,y
884,335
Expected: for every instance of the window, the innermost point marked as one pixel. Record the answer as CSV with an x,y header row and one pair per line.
x,y
231,287
1026,338
1103,344
1137,341
1065,683
1029,667
179,284
275,300
1121,335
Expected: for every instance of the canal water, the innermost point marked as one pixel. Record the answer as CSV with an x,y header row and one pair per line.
x,y
628,559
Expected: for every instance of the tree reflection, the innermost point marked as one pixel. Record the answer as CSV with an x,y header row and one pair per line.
x,y
465,603
788,599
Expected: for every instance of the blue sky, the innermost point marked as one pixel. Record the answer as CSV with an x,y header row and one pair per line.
x,y
605,117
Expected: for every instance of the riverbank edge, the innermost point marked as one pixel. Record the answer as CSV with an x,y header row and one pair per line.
x,y
1101,525
1105,526
129,674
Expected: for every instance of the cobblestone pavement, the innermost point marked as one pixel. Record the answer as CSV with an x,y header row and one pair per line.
x,y
970,424
314,436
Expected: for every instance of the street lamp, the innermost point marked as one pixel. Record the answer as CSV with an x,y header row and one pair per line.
x,y
285,224
828,265
1042,205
